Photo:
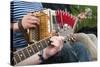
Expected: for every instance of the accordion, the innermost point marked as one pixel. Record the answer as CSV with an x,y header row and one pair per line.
x,y
45,27
49,20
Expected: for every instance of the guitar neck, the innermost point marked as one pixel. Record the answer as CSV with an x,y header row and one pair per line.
x,y
30,50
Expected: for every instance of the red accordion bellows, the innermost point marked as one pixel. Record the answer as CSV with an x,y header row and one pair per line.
x,y
64,18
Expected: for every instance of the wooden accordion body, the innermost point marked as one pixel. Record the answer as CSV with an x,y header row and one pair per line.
x,y
48,22
45,27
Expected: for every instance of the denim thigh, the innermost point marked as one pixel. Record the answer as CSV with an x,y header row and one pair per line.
x,y
64,56
74,52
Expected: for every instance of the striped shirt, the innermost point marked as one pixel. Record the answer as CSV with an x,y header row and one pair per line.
x,y
18,10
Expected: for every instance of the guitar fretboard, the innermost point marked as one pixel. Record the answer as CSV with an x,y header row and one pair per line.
x,y
26,52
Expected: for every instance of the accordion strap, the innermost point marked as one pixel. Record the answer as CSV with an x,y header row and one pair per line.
x,y
24,32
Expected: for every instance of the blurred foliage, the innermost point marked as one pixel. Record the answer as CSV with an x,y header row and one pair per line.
x,y
89,22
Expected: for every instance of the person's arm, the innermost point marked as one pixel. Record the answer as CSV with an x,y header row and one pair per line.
x,y
28,21
14,26
55,47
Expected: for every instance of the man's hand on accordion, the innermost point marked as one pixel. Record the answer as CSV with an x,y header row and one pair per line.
x,y
30,21
27,21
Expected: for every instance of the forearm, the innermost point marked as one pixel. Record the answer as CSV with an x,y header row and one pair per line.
x,y
14,26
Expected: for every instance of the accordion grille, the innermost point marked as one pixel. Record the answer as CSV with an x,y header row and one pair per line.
x,y
41,31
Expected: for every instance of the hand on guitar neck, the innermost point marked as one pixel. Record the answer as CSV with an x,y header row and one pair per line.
x,y
55,45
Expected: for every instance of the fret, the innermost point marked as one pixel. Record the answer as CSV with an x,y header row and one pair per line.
x,y
35,48
43,43
39,45
28,52
47,41
29,48
25,52
32,49
14,61
17,58
21,55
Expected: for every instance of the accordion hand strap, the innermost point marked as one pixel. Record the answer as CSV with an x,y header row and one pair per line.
x,y
24,32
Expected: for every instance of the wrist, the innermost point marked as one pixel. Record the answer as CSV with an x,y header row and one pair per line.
x,y
45,54
41,57
14,26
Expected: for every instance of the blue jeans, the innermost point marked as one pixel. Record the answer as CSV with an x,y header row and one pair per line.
x,y
74,53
